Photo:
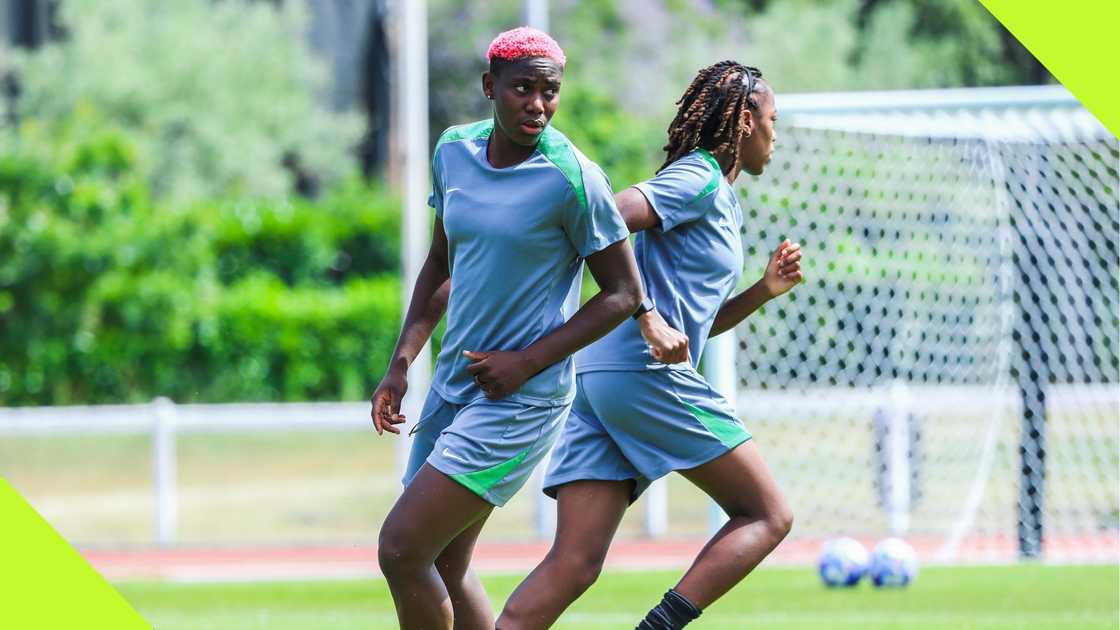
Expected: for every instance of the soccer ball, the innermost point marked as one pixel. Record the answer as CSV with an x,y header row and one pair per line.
x,y
893,563
843,562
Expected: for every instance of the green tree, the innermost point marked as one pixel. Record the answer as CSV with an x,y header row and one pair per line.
x,y
213,94
960,36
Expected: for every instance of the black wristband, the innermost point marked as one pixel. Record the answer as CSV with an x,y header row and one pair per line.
x,y
646,306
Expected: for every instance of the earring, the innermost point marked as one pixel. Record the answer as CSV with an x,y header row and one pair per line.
x,y
748,134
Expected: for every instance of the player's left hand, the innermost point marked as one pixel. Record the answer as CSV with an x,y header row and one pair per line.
x,y
500,373
666,344
783,272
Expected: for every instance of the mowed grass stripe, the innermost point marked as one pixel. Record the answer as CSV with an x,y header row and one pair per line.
x,y
953,598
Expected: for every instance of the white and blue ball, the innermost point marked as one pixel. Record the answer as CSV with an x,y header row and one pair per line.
x,y
893,563
843,562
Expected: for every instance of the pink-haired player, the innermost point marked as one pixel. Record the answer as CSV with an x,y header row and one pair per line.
x,y
518,210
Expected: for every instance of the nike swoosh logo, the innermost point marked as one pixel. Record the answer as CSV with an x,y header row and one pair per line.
x,y
448,454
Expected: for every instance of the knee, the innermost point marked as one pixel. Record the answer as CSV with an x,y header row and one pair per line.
x,y
581,569
775,517
394,553
779,521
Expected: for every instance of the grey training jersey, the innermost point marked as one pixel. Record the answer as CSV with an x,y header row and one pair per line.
x,y
690,264
517,237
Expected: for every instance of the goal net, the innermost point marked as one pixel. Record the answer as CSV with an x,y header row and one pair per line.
x,y
948,371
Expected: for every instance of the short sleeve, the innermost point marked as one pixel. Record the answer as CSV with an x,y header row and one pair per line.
x,y
593,227
435,200
682,192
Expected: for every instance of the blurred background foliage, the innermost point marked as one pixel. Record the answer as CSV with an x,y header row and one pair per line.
x,y
212,95
183,213
110,293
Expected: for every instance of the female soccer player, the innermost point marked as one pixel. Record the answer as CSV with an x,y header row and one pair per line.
x,y
634,419
518,209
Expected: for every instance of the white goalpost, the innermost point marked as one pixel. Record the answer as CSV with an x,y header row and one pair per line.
x,y
412,120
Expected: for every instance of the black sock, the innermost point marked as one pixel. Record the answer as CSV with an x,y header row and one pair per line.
x,y
674,612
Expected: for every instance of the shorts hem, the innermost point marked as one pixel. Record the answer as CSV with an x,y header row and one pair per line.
x,y
551,486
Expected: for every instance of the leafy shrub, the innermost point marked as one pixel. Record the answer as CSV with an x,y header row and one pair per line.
x,y
107,295
268,341
352,231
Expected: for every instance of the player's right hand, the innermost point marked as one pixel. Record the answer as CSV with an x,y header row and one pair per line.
x,y
666,344
386,412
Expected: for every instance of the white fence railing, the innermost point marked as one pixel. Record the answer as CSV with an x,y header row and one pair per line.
x,y
796,411
165,421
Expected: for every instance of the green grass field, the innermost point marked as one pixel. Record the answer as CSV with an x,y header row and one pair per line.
x,y
1026,596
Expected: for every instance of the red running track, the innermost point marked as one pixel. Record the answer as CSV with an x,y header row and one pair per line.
x,y
357,561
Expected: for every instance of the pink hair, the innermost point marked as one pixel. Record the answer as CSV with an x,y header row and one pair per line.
x,y
522,42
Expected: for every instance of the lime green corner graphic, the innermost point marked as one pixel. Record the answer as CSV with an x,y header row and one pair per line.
x,y
45,584
1077,43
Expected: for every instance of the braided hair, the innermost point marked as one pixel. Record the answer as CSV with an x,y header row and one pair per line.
x,y
712,111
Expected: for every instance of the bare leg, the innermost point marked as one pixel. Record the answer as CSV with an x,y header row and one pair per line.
x,y
428,516
760,518
468,597
588,514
